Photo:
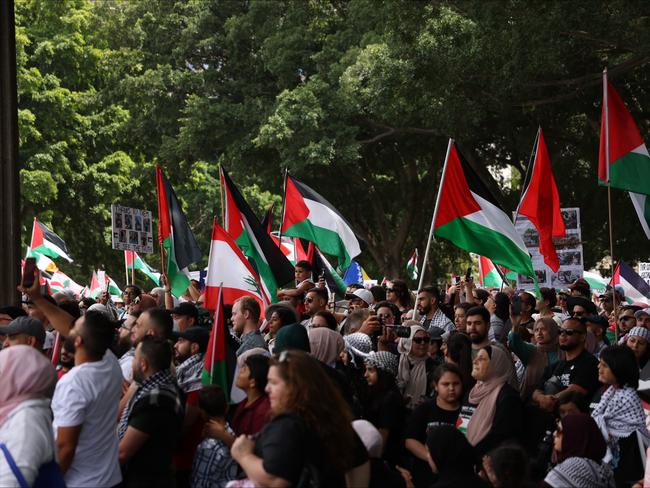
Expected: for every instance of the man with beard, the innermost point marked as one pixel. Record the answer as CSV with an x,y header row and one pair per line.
x,y
155,322
124,346
478,328
150,424
189,352
315,301
84,405
577,372
428,307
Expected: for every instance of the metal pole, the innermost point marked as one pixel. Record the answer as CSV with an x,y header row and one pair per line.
x,y
126,267
435,211
9,182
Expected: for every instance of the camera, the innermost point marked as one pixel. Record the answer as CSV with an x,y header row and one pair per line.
x,y
400,330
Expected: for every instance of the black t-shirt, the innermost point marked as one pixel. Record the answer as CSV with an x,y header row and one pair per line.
x,y
151,464
287,446
581,371
387,411
423,418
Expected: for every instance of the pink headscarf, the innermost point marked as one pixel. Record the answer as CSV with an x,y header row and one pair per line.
x,y
26,374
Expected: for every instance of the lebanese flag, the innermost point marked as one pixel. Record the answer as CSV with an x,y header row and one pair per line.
x,y
309,216
101,282
61,282
635,287
254,240
629,162
469,216
489,274
44,241
133,261
220,360
175,235
541,204
227,265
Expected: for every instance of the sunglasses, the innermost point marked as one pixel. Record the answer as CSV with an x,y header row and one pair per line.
x,y
389,290
625,317
421,340
570,332
309,300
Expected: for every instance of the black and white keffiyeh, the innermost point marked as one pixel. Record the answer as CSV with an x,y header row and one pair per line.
x,y
188,373
580,473
160,384
618,415
440,320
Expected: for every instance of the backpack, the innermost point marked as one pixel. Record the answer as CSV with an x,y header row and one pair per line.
x,y
49,474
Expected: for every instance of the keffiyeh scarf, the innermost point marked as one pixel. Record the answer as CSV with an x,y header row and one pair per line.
x,y
188,373
618,415
580,473
160,383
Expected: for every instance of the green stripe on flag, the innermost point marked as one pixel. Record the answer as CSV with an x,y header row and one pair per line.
x,y
326,240
478,239
178,281
631,172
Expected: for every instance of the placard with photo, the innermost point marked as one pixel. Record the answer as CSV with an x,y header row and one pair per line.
x,y
131,229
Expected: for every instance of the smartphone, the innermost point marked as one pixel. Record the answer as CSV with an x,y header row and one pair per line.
x,y
468,274
456,280
29,272
516,305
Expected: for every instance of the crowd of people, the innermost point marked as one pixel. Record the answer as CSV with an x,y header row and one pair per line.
x,y
444,387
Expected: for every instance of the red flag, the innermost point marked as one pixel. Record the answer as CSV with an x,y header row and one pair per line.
x,y
541,204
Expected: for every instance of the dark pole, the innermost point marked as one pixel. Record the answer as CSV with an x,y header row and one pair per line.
x,y
9,182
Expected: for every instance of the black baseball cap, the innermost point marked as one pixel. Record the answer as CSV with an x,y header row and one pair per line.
x,y
200,335
187,309
25,325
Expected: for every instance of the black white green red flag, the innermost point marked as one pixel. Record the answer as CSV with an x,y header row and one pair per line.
x,y
175,235
412,265
254,240
46,242
468,215
309,216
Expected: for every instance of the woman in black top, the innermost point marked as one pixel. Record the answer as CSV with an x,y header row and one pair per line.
x,y
309,440
384,406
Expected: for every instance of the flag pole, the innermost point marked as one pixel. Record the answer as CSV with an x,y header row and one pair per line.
x,y
214,332
133,267
284,202
609,193
531,162
435,212
126,267
223,209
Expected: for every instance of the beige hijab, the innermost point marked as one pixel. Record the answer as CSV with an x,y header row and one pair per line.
x,y
326,344
412,371
485,393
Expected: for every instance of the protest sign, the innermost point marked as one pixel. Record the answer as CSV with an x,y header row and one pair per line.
x,y
131,229
569,252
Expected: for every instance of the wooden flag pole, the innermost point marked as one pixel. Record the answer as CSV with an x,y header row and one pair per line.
x,y
284,203
433,218
126,268
609,194
133,267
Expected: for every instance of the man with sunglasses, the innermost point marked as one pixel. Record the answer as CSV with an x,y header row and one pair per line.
x,y
315,301
577,372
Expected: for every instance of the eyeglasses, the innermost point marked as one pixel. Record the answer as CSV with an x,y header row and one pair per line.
x,y
389,290
578,314
309,300
421,340
570,332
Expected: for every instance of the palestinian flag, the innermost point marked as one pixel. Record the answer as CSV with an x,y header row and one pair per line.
x,y
133,261
254,240
470,217
642,207
489,274
61,282
309,216
215,366
635,287
333,282
412,266
43,263
624,162
175,235
101,282
230,273
44,241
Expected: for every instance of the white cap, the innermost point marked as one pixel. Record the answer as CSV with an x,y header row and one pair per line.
x,y
365,295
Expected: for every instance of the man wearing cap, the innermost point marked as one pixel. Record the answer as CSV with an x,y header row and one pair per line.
x,y
360,298
643,318
606,301
580,288
580,306
427,304
597,325
24,330
189,352
185,315
315,301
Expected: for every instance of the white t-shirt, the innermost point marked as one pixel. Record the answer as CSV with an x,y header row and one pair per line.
x,y
89,395
27,433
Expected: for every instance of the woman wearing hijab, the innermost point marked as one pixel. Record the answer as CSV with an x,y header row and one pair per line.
x,y
619,414
384,406
452,458
27,380
498,413
326,345
414,366
545,353
637,340
580,447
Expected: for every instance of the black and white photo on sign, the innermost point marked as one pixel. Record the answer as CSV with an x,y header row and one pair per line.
x,y
531,238
570,241
123,236
138,222
128,221
133,237
118,220
143,239
570,217
565,277
570,258
146,223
